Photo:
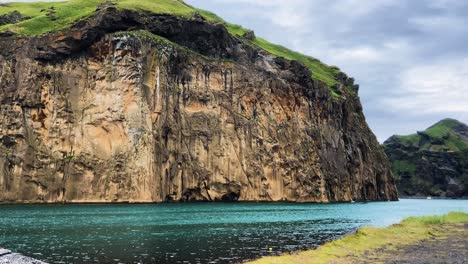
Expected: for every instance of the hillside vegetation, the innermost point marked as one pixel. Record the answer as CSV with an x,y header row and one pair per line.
x,y
441,136
432,162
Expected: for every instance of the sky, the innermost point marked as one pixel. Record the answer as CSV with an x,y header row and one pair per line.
x,y
410,57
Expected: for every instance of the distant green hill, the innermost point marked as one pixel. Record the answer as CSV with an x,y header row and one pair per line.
x,y
44,17
432,162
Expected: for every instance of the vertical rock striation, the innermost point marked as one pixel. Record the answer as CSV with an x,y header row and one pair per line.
x,y
137,107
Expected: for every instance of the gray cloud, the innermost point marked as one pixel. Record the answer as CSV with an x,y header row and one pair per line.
x,y
410,57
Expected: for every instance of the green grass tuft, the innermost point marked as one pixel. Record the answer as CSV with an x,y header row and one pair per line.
x,y
410,140
450,218
319,70
61,17
172,7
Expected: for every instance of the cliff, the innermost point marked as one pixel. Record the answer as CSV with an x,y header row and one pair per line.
x,y
433,162
158,101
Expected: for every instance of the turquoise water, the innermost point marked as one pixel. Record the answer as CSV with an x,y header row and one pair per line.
x,y
191,233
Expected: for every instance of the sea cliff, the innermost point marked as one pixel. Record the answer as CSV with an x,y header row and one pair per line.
x,y
131,105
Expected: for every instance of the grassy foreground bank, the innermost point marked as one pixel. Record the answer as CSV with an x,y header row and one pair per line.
x,y
370,240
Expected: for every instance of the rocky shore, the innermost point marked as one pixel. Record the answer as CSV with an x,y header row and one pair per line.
x,y
8,257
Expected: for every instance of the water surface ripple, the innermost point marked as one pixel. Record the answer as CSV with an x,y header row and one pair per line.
x,y
191,233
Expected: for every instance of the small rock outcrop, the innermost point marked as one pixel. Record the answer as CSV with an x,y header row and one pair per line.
x,y
249,34
433,162
134,106
11,18
8,257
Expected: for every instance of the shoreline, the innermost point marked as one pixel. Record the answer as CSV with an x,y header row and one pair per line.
x,y
315,225
380,244
191,202
432,198
222,202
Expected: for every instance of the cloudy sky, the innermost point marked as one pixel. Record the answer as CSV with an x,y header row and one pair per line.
x,y
409,56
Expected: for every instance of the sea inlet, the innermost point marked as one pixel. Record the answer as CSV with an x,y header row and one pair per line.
x,y
192,232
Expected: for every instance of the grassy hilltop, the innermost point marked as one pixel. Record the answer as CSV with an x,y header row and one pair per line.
x,y
441,136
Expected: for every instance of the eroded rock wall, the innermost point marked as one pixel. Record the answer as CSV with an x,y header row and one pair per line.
x,y
134,118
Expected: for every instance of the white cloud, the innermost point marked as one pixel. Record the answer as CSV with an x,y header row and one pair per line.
x,y
429,89
358,54
356,8
264,3
431,23
290,17
447,4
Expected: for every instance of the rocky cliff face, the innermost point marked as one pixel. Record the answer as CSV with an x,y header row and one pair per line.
x,y
433,162
131,106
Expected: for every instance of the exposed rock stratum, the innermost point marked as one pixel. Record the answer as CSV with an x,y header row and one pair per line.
x,y
133,106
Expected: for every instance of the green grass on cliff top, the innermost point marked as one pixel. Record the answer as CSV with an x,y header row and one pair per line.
x,y
442,131
376,242
442,128
65,13
319,70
